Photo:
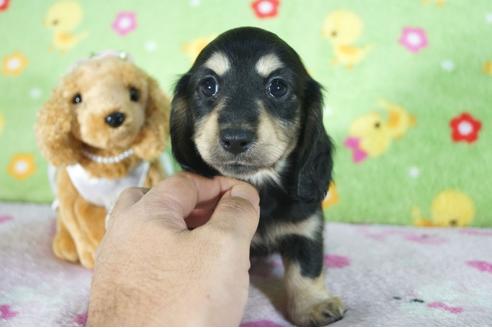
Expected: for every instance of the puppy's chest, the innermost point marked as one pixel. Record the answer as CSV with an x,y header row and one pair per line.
x,y
280,218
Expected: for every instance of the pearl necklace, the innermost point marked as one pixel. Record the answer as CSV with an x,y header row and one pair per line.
x,y
108,159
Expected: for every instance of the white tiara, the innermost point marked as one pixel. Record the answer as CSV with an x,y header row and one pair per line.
x,y
102,54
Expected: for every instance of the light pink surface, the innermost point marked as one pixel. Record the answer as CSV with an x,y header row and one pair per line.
x,y
386,276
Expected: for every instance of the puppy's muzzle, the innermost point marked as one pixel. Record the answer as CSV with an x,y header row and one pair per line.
x,y
115,119
236,141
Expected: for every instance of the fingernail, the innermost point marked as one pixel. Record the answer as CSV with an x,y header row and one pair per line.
x,y
246,192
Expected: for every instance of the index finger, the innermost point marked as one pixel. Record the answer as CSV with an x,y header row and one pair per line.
x,y
183,192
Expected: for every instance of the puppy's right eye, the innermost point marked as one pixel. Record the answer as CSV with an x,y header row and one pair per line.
x,y
77,99
208,86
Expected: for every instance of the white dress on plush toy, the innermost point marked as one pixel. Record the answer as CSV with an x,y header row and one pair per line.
x,y
100,191
105,192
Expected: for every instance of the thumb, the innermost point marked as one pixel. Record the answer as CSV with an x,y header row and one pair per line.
x,y
237,212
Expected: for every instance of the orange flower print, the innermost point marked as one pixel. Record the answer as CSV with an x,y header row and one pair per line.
x,y
21,166
331,197
14,64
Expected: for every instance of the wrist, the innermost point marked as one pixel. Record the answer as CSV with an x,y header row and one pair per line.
x,y
115,302
134,300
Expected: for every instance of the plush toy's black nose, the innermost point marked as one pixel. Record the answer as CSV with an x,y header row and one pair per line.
x,y
236,141
115,119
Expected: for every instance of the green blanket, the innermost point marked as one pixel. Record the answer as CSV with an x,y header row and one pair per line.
x,y
408,89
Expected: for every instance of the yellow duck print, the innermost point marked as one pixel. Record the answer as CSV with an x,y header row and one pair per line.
x,y
487,67
192,49
450,208
440,3
63,17
370,135
343,28
331,197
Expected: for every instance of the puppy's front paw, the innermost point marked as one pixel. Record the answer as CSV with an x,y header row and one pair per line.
x,y
322,313
326,312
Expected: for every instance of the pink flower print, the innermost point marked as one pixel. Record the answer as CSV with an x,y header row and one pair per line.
x,y
125,22
336,261
465,128
481,265
447,308
265,8
263,269
424,239
5,218
6,313
81,319
413,38
358,154
377,236
260,323
473,232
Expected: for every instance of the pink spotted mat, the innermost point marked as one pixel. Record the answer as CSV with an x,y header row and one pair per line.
x,y
399,276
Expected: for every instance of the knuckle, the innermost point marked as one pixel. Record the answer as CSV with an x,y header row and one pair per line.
x,y
131,191
170,203
219,235
237,206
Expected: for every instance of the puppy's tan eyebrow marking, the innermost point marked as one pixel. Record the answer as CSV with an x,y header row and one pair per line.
x,y
267,64
219,63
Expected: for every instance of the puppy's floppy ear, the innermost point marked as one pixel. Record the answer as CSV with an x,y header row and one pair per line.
x,y
54,131
152,139
182,131
314,152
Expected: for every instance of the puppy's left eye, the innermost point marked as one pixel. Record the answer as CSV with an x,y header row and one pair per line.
x,y
134,94
277,88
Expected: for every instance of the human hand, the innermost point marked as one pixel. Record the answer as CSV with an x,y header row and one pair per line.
x,y
152,270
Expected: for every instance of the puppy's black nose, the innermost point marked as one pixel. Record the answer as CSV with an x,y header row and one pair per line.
x,y
115,119
236,141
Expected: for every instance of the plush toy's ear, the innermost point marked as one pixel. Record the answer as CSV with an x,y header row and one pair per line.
x,y
182,130
314,151
153,138
54,131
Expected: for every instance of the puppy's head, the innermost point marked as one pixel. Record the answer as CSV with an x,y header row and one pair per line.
x,y
248,109
104,103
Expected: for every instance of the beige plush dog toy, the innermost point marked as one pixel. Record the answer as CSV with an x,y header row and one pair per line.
x,y
103,129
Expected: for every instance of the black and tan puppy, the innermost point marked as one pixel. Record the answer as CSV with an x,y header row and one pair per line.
x,y
248,109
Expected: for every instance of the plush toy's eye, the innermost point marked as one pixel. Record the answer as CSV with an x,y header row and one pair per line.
x,y
77,99
134,94
208,86
277,88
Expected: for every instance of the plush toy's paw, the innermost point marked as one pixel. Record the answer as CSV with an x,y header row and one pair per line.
x,y
87,257
64,248
323,313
